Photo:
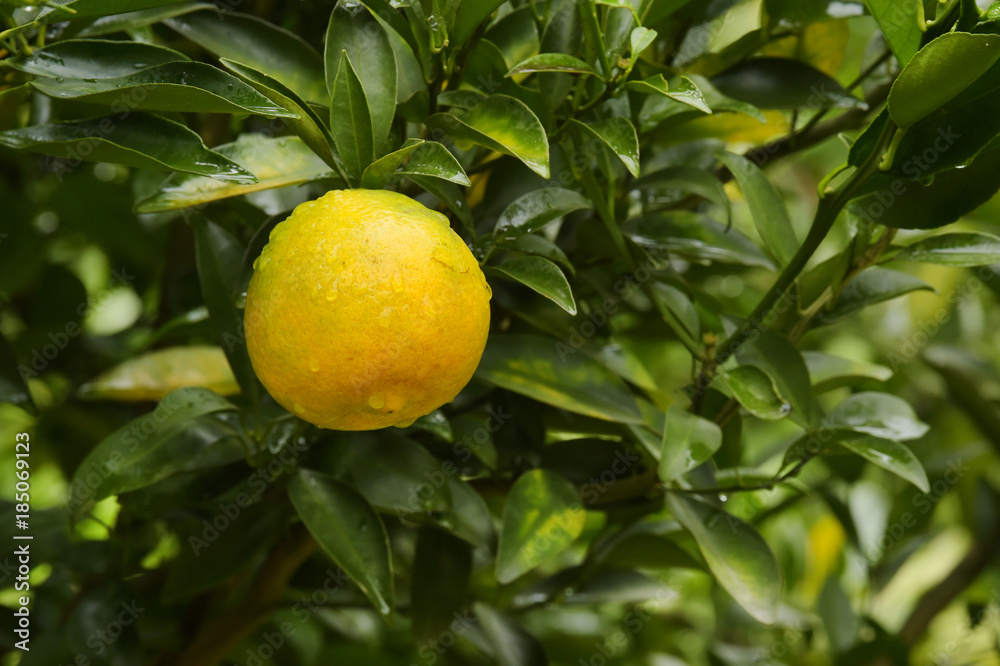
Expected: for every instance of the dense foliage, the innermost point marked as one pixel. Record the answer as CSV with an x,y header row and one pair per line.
x,y
705,429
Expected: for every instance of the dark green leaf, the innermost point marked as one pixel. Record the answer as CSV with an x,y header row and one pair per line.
x,y
875,285
830,372
256,43
138,140
780,83
694,236
938,72
353,31
170,439
542,369
535,209
866,143
512,645
688,441
619,135
678,311
89,58
447,193
755,390
810,11
500,123
172,86
770,215
136,20
442,565
349,531
14,384
877,414
542,276
621,586
889,455
469,15
277,162
689,179
542,247
542,517
899,21
351,119
783,363
552,62
416,157
738,556
966,248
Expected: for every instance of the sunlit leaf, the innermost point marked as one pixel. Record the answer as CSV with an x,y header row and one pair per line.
x,y
416,157
877,414
540,275
755,390
890,455
151,376
688,441
966,248
619,135
351,119
552,62
537,208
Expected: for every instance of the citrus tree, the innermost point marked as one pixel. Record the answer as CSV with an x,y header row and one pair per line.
x,y
704,429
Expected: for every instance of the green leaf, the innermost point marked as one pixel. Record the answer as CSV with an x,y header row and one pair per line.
x,y
640,39
800,12
469,15
442,565
540,275
552,62
875,285
90,58
351,120
678,311
168,440
535,209
277,162
219,258
889,455
353,31
542,517
542,247
694,236
907,204
770,215
512,645
783,363
416,157
688,441
500,123
620,586
13,384
172,86
899,21
135,20
968,248
938,72
755,390
138,140
737,555
155,374
619,135
780,83
684,91
829,372
689,179
349,531
308,125
470,519
449,194
263,46
877,414
89,8
541,369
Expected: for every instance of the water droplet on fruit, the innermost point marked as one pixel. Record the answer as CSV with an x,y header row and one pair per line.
x,y
299,409
376,401
314,365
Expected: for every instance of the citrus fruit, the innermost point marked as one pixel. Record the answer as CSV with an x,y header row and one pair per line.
x,y
365,310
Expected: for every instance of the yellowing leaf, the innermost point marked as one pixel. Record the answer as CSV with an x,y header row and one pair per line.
x,y
153,375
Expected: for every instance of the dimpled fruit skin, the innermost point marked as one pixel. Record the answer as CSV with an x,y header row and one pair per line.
x,y
365,310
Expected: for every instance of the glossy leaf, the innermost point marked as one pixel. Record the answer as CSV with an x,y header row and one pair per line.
x,y
277,162
512,645
689,179
875,285
755,390
469,15
619,135
258,44
136,20
738,556
683,90
500,123
677,310
351,120
621,587
540,275
640,39
770,215
877,414
537,367
899,21
694,236
551,62
165,441
542,517
13,384
938,72
349,531
172,86
93,58
354,32
442,565
890,455
542,247
537,208
783,363
153,375
416,157
965,248
447,193
138,140
688,441
809,11
830,372
781,83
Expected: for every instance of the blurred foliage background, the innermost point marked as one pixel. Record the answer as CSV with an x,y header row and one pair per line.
x,y
119,286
